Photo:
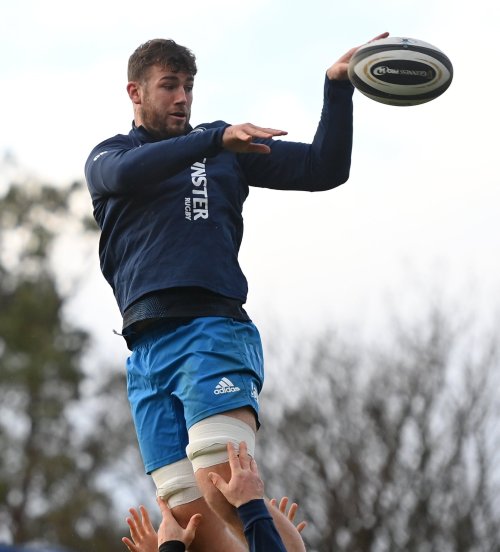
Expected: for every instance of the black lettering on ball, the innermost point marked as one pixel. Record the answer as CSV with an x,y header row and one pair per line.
x,y
403,72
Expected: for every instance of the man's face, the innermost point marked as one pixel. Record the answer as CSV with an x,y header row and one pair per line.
x,y
166,99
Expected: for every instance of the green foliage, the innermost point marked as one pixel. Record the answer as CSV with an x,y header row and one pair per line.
x,y
51,469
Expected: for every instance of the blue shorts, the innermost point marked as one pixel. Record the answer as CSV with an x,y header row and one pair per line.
x,y
183,371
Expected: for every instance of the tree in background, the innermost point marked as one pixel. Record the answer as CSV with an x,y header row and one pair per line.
x,y
57,443
394,450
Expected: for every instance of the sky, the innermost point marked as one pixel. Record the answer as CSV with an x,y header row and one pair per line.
x,y
419,214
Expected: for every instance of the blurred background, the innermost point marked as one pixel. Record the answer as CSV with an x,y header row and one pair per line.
x,y
377,302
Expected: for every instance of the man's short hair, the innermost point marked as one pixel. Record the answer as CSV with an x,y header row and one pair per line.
x,y
163,52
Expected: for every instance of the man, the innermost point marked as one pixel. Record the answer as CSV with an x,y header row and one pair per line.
x,y
168,198
245,491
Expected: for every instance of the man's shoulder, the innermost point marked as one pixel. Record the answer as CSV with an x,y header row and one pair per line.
x,y
117,140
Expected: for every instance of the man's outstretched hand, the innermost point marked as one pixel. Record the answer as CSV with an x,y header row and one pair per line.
x,y
292,511
245,483
239,138
143,537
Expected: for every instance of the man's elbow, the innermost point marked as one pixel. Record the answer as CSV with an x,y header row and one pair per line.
x,y
329,183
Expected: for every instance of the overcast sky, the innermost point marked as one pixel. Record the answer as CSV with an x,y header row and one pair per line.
x,y
420,210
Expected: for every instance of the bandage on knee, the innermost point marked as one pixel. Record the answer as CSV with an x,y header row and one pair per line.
x,y
176,483
208,440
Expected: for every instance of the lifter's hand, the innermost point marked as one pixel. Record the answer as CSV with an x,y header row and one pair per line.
x,y
291,512
245,483
338,71
143,537
239,138
170,530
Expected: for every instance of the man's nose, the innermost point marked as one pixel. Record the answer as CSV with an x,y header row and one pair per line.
x,y
181,96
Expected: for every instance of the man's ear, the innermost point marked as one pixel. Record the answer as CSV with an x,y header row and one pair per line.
x,y
134,92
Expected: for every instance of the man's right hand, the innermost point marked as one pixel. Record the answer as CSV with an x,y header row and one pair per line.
x,y
239,138
245,483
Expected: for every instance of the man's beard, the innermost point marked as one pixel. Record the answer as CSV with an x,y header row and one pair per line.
x,y
157,125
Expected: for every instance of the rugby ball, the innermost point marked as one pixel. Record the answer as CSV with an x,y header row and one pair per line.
x,y
400,71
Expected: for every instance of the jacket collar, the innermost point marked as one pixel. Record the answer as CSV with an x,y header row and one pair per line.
x,y
143,135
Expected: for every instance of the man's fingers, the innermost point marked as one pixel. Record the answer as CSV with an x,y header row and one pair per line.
x,y
234,461
292,511
347,56
378,37
350,53
261,132
146,522
239,138
165,510
248,134
190,531
243,135
257,148
218,481
194,522
301,526
134,524
283,503
136,519
269,132
129,544
244,457
253,467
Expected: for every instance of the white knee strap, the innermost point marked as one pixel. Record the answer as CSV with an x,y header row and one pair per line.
x,y
176,483
208,440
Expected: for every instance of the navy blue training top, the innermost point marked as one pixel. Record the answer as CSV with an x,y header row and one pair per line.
x,y
170,211
258,525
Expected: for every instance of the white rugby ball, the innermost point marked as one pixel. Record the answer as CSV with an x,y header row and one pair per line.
x,y
400,71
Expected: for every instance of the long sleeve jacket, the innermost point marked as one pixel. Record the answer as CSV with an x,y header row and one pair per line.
x,y
170,211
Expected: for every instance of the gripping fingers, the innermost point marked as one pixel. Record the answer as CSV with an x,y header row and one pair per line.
x,y
244,458
234,460
380,36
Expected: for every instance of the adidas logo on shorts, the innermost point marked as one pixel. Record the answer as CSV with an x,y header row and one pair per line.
x,y
225,385
254,393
